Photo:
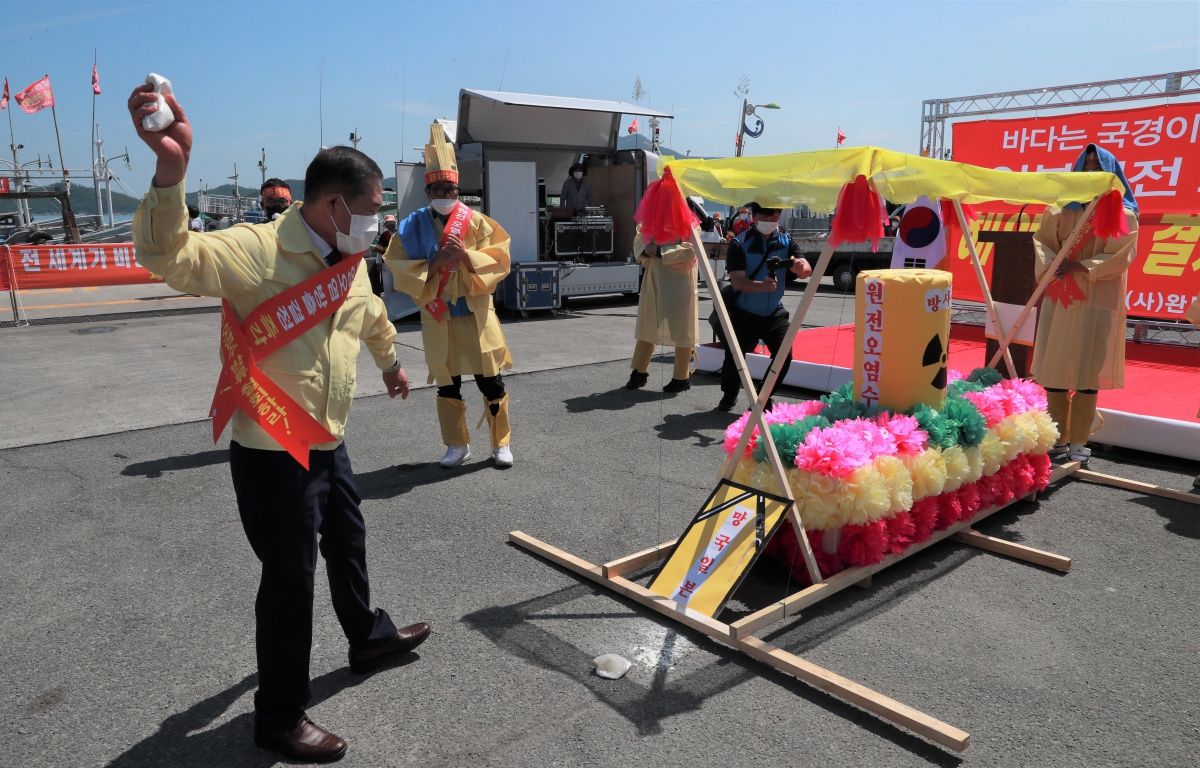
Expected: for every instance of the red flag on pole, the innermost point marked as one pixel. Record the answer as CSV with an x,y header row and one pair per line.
x,y
4,98
633,126
95,81
841,136
36,97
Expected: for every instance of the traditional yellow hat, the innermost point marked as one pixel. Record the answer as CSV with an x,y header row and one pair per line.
x,y
439,157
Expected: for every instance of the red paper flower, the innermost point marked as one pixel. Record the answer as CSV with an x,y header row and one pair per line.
x,y
663,213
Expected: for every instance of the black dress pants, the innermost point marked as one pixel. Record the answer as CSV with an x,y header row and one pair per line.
x,y
284,507
750,328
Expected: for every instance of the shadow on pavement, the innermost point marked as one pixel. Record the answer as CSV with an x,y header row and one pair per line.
x,y
397,480
644,707
618,399
685,426
1181,517
156,467
185,739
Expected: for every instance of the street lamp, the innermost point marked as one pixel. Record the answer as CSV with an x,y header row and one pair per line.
x,y
749,110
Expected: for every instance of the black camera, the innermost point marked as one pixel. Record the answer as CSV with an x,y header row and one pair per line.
x,y
774,263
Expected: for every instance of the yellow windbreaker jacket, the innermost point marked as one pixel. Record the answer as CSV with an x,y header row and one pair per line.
x,y
248,264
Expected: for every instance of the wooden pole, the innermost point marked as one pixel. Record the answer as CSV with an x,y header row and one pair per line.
x,y
756,408
1045,281
830,682
983,286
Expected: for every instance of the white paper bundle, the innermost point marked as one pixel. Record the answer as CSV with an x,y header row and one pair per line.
x,y
159,120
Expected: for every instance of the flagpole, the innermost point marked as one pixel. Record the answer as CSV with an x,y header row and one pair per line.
x,y
95,170
16,168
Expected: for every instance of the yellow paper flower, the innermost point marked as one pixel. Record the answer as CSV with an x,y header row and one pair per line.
x,y
1048,433
975,460
992,451
1011,437
817,498
958,468
928,473
866,497
898,481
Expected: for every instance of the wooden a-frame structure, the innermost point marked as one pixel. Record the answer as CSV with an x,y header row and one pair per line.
x,y
945,180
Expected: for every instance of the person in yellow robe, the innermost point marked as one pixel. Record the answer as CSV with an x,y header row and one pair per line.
x,y
462,272
1080,347
667,311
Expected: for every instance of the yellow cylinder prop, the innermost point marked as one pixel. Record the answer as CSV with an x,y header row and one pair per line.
x,y
901,337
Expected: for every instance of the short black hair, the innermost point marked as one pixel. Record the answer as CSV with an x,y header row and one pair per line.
x,y
578,167
757,209
193,211
274,183
340,170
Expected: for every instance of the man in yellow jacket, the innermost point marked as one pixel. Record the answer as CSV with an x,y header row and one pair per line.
x,y
450,259
288,495
668,311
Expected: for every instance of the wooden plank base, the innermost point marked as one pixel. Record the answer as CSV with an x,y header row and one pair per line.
x,y
885,707
623,565
974,538
1134,485
795,602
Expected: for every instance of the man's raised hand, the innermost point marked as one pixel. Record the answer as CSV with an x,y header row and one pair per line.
x,y
172,146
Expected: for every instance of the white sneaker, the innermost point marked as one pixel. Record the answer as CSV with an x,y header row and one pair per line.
x,y
455,455
1080,452
503,456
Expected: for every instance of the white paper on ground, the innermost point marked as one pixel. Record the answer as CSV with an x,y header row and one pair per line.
x,y
161,119
611,666
1008,316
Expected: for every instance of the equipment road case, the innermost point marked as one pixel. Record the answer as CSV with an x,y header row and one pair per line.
x,y
532,285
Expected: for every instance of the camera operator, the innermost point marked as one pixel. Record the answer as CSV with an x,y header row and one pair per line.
x,y
756,260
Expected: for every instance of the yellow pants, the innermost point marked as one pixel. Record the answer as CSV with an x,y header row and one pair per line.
x,y
644,350
1074,414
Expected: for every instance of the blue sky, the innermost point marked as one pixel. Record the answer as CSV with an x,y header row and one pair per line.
x,y
247,73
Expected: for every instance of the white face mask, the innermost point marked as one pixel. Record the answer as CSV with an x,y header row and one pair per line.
x,y
362,232
766,227
578,175
443,207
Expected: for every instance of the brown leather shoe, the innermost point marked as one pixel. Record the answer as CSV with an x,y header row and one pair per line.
x,y
362,662
307,742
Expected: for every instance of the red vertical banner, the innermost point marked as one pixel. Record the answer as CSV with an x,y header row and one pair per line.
x,y
1159,150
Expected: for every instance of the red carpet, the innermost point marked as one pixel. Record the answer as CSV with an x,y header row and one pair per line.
x,y
1160,380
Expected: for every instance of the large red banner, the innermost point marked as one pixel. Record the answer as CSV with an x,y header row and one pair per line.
x,y
70,266
1159,150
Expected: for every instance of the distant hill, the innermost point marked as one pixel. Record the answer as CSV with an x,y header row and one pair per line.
x,y
83,201
296,185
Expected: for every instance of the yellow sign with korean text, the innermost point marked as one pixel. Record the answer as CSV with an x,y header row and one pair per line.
x,y
719,547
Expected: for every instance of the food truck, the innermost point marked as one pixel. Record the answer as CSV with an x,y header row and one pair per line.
x,y
514,151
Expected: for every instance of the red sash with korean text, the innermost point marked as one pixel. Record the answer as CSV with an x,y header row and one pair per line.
x,y
460,219
1064,289
268,328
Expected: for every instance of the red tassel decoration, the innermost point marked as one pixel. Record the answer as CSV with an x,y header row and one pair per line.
x,y
950,218
663,213
1109,216
858,216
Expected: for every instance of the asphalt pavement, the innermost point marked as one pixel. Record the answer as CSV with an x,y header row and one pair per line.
x,y
126,638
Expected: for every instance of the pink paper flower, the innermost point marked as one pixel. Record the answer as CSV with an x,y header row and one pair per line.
x,y
832,451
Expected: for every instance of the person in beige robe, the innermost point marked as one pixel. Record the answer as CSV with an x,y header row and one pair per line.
x,y
668,311
1080,348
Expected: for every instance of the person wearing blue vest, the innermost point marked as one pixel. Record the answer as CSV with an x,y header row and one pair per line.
x,y
757,312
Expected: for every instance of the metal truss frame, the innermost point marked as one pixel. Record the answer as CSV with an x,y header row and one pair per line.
x,y
935,112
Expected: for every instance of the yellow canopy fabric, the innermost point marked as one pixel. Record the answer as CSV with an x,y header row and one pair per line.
x,y
815,179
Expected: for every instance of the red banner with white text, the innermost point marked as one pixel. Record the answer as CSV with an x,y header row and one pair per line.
x,y
70,266
1159,150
